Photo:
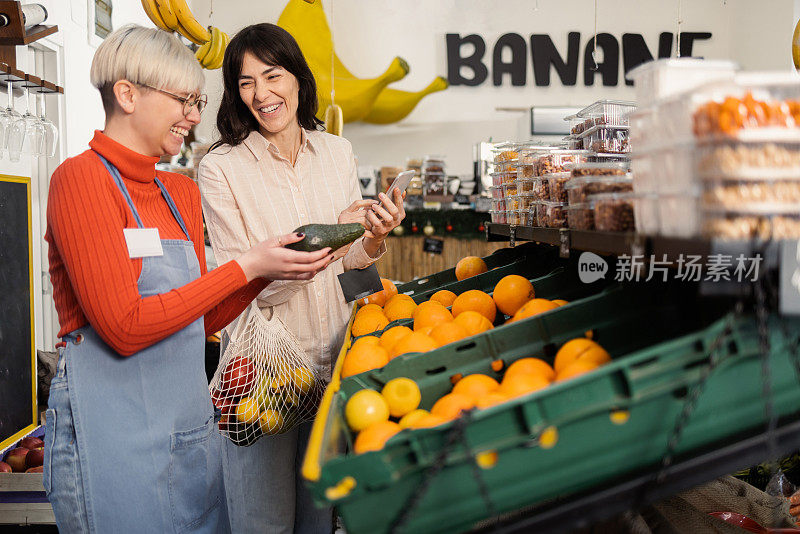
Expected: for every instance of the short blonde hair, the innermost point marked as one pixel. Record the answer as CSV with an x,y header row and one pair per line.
x,y
144,56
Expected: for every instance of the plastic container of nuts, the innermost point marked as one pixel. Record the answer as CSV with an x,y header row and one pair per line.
x,y
526,186
610,168
606,113
613,212
512,202
579,189
504,152
734,193
581,216
556,161
504,177
734,159
513,217
608,139
497,191
540,189
525,201
555,185
510,190
766,222
498,205
507,166
551,214
498,217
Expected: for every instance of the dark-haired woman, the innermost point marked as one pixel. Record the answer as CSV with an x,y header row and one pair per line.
x,y
272,171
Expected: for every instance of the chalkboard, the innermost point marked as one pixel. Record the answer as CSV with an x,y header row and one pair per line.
x,y
17,354
433,245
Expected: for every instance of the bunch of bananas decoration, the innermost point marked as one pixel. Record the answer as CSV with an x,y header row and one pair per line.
x,y
796,46
368,100
175,15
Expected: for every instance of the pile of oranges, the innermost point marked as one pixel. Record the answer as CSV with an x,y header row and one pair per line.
x,y
444,318
370,413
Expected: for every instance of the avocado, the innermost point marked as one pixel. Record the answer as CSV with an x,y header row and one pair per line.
x,y
319,236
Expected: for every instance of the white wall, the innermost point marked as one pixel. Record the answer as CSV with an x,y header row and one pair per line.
x,y
63,58
369,33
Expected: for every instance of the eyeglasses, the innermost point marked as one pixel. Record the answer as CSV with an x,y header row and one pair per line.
x,y
188,101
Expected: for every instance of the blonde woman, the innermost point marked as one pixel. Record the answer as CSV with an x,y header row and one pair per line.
x,y
131,444
272,171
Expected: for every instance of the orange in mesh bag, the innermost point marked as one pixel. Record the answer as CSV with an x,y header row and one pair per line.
x,y
265,383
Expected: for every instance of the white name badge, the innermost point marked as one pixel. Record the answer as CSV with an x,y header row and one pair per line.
x,y
143,242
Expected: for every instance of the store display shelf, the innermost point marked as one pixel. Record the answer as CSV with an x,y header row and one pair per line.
x,y
581,511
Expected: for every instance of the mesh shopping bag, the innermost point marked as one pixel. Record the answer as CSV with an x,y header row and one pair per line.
x,y
265,383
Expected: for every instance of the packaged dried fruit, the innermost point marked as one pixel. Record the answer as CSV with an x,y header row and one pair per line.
x,y
610,168
497,191
580,216
551,214
498,205
607,112
613,212
555,184
556,161
525,201
507,166
746,193
579,189
607,139
510,189
512,203
748,160
513,217
498,217
765,222
505,152
501,178
526,186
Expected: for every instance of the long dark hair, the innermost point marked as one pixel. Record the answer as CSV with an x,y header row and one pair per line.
x,y
274,46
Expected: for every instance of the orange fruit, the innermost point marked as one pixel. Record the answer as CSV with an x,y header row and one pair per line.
x,y
365,340
473,322
390,338
576,368
451,405
402,395
369,308
380,298
520,384
533,307
427,330
475,300
476,386
511,292
560,302
490,399
444,297
375,436
470,266
414,342
399,308
428,421
368,323
532,366
409,419
431,314
445,333
578,349
365,408
364,358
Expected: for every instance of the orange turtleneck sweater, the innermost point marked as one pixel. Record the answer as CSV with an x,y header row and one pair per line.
x,y
95,281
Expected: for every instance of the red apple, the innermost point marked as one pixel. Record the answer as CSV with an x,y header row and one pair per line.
x,y
31,443
37,469
5,468
238,377
220,401
35,457
16,459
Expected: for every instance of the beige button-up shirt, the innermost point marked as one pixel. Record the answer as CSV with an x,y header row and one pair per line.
x,y
251,193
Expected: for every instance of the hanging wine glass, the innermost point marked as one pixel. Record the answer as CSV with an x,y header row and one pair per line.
x,y
7,117
26,133
50,139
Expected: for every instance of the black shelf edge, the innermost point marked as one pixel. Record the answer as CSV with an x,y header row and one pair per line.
x,y
586,509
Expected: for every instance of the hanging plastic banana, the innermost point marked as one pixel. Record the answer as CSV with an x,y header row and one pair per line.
x,y
357,97
175,16
796,46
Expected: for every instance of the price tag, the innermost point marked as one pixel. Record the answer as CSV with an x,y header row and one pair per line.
x,y
790,278
360,283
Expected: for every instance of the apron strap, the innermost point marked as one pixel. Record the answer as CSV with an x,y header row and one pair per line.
x,y
112,170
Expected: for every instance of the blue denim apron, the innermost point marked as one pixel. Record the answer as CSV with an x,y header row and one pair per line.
x,y
131,444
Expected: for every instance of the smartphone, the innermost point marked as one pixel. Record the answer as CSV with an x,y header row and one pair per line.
x,y
401,182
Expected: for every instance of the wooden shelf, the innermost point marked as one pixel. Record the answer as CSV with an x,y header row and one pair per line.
x,y
23,80
32,34
15,33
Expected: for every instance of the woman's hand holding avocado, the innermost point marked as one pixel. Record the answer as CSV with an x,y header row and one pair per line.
x,y
354,213
271,260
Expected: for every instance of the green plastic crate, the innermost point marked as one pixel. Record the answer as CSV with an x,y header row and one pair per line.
x,y
430,284
647,382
